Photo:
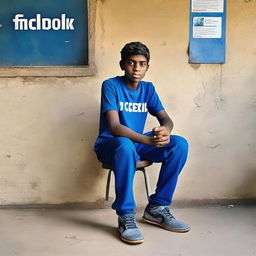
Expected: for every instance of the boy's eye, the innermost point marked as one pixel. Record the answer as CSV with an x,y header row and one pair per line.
x,y
130,63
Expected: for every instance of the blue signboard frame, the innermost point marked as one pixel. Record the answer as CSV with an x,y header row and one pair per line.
x,y
63,43
207,50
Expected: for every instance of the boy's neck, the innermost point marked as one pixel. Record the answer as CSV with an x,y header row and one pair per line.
x,y
130,84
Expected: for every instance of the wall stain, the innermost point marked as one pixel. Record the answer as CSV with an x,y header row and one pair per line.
x,y
81,114
198,100
195,66
219,102
73,237
33,185
102,25
210,93
195,100
214,146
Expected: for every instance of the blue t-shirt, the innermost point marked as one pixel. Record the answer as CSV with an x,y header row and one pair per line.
x,y
131,105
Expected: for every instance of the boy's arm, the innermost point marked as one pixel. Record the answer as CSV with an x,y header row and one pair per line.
x,y
162,133
120,130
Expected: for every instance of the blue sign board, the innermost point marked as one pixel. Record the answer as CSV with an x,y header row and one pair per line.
x,y
207,39
43,33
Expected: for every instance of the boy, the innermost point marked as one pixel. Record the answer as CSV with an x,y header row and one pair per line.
x,y
125,101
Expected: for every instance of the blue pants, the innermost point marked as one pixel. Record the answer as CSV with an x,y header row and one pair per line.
x,y
123,154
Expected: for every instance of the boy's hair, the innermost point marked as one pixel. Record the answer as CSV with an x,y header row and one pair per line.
x,y
135,48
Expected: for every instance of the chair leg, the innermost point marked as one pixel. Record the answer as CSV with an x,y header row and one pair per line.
x,y
108,184
146,181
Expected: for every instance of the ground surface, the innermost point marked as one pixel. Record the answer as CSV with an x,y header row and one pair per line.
x,y
216,231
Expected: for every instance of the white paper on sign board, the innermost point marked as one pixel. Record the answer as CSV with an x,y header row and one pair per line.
x,y
207,27
207,6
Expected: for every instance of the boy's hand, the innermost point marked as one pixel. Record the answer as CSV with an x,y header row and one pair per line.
x,y
161,136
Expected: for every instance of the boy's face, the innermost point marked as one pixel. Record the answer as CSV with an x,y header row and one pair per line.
x,y
135,68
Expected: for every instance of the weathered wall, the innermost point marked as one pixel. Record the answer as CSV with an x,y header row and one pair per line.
x,y
48,125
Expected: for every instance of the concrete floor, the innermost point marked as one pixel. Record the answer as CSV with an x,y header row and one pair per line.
x,y
216,231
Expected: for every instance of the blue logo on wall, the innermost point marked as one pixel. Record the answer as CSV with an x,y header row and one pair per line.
x,y
43,33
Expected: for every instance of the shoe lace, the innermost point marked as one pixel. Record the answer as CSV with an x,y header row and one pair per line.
x,y
166,212
129,221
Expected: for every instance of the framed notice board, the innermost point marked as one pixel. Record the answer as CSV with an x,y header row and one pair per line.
x,y
207,31
43,33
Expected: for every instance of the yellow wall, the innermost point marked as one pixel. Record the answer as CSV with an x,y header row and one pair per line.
x,y
49,125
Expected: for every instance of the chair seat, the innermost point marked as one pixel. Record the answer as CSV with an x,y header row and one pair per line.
x,y
140,164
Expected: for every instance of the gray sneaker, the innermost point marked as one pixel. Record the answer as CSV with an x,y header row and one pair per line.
x,y
161,216
128,229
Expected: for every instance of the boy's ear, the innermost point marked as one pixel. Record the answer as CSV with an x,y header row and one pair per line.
x,y
121,63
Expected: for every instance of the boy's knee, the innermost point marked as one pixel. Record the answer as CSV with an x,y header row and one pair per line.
x,y
125,144
180,143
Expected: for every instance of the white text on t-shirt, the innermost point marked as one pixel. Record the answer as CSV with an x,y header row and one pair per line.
x,y
133,107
